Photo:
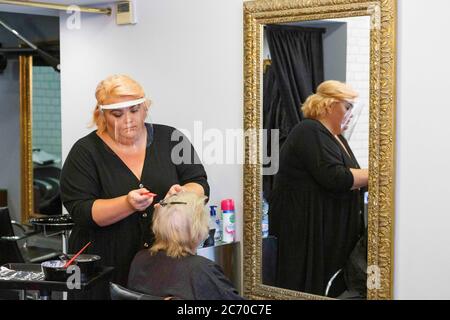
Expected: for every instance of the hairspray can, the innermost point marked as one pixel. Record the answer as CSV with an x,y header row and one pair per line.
x,y
228,220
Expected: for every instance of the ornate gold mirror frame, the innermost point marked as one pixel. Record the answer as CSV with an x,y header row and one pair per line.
x,y
382,133
26,153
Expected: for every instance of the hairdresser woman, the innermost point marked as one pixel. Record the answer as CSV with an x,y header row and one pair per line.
x,y
113,176
315,206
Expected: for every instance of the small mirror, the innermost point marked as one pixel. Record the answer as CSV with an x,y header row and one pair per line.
x,y
46,138
40,114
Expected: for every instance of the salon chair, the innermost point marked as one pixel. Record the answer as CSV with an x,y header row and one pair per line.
x,y
269,260
47,190
11,251
337,288
121,293
336,285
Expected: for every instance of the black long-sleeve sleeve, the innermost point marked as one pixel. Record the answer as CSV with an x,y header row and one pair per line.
x,y
80,186
322,158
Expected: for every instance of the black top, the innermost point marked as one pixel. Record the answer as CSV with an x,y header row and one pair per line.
x,y
93,171
189,278
312,210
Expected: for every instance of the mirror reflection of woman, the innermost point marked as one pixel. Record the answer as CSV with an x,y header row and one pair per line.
x,y
112,176
315,205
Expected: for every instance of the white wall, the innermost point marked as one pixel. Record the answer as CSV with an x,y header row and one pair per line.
x,y
358,77
188,55
10,128
10,124
334,50
422,237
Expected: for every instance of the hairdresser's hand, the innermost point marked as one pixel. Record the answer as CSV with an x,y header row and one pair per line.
x,y
139,199
174,190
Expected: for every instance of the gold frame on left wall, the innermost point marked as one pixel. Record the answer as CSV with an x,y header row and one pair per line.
x,y
26,137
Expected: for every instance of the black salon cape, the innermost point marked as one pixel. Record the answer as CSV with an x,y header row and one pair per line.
x,y
189,278
93,171
312,210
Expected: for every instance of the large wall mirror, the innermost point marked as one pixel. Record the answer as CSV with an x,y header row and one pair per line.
x,y
30,126
40,131
346,251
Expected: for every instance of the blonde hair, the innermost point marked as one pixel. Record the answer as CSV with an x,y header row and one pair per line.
x,y
328,92
179,228
115,86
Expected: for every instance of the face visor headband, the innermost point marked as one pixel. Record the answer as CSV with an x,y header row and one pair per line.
x,y
121,105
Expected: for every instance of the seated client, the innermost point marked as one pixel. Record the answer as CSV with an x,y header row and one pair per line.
x,y
171,267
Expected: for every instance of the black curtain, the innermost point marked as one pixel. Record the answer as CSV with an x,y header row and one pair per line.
x,y
295,73
274,117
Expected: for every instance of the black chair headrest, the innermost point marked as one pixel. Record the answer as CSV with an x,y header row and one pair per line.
x,y
121,293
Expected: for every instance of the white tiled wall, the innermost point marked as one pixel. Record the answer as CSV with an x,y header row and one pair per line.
x,y
358,71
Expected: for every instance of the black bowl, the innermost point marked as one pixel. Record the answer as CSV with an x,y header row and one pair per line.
x,y
88,264
54,271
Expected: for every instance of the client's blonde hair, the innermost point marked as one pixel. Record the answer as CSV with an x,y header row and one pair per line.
x,y
179,228
115,86
328,92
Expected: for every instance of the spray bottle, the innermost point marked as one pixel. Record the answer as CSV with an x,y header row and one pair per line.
x,y
228,220
215,221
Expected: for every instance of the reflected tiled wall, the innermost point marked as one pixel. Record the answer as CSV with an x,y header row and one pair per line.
x,y
47,110
358,76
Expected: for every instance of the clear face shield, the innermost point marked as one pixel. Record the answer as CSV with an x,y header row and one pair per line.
x,y
127,120
348,114
351,118
121,105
